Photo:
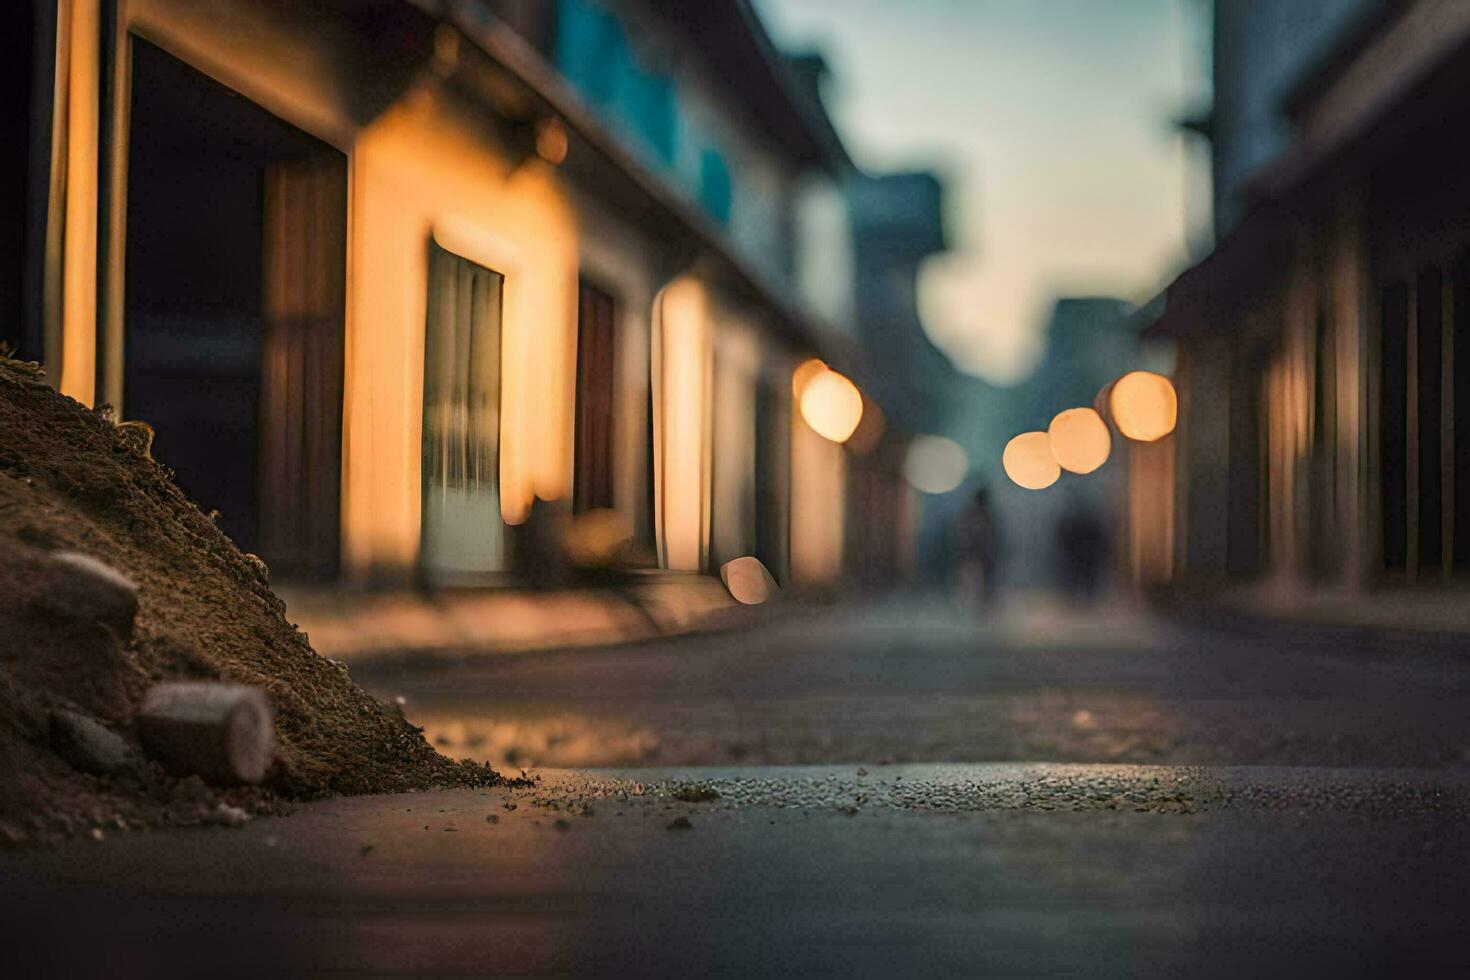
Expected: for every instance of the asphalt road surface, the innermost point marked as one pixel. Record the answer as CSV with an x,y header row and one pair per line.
x,y
912,680
893,791
899,871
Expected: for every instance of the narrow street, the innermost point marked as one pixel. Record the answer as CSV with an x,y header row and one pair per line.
x,y
866,792
750,487
918,680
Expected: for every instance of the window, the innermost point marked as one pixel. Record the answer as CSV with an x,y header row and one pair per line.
x,y
592,487
715,191
463,534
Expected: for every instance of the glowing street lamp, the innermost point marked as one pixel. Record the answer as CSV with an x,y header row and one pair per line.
x,y
1029,462
1142,405
1080,440
935,464
831,405
804,374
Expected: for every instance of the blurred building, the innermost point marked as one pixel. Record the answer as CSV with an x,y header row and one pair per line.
x,y
1324,374
898,223
392,278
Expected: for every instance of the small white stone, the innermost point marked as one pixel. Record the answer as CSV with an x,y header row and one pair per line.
x,y
230,816
220,732
748,581
90,746
80,587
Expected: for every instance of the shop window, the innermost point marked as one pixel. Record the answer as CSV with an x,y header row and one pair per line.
x,y
715,190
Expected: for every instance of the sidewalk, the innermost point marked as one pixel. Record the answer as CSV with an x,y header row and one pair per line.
x,y
353,626
1429,612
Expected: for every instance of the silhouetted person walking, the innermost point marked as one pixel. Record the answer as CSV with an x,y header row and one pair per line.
x,y
1081,551
978,550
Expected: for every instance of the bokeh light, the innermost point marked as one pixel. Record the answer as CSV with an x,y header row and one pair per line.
x,y
804,373
935,464
1143,406
1029,462
1080,441
831,405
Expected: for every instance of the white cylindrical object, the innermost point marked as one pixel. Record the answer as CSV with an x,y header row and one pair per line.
x,y
222,733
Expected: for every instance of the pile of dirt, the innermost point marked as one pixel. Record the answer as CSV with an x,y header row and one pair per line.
x,y
72,480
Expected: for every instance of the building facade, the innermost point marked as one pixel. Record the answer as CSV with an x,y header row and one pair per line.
x,y
1324,376
394,280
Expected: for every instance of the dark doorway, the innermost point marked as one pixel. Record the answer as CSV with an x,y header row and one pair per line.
x,y
1393,434
593,474
772,477
1460,411
1322,542
1245,528
27,70
236,284
1429,357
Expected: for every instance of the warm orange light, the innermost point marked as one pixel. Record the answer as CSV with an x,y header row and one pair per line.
x,y
594,539
79,239
1080,440
935,464
1029,463
803,374
419,173
818,507
683,362
1143,406
832,406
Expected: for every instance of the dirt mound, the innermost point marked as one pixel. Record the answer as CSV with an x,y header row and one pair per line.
x,y
70,479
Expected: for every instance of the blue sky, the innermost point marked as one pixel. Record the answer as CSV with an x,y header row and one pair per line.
x,y
1051,120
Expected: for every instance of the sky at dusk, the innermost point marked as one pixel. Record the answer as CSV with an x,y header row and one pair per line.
x,y
1051,121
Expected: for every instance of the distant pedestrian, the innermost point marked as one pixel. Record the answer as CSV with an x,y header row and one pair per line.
x,y
1081,550
978,549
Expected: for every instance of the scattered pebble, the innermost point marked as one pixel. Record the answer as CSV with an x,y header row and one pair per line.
x,y
229,816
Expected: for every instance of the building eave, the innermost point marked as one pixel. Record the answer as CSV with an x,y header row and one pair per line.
x,y
757,76
502,69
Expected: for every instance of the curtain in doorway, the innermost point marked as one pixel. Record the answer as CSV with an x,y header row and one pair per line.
x,y
305,244
463,532
594,476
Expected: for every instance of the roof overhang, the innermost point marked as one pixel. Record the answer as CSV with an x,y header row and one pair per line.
x,y
1335,151
497,67
756,76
